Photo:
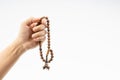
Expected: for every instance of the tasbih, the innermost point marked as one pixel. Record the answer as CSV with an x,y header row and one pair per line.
x,y
49,50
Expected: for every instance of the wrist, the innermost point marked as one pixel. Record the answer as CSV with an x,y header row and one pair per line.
x,y
19,45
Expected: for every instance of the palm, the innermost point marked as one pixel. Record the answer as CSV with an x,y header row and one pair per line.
x,y
25,36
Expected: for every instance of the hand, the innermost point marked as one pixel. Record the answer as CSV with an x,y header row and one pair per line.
x,y
30,34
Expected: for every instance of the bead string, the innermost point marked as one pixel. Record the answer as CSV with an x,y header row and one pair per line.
x,y
49,50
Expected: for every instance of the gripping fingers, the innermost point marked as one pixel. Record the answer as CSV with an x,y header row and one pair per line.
x,y
38,34
41,38
38,28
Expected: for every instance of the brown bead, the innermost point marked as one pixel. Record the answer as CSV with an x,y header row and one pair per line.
x,y
50,52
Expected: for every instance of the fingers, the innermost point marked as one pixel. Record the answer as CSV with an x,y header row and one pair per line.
x,y
39,33
42,38
44,21
32,20
38,28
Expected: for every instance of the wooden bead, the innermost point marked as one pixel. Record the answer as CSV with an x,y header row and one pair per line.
x,y
50,52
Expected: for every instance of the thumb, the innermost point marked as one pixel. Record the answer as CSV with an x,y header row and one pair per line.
x,y
30,20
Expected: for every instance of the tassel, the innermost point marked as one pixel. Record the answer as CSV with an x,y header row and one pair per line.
x,y
46,66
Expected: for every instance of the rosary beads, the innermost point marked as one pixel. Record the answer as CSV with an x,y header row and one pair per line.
x,y
49,50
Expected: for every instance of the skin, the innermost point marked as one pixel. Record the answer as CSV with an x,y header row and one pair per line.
x,y
28,38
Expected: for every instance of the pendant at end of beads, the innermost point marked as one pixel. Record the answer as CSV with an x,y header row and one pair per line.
x,y
46,66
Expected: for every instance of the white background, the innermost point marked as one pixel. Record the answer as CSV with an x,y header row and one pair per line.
x,y
85,37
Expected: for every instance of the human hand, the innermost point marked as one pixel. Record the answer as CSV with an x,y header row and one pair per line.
x,y
30,34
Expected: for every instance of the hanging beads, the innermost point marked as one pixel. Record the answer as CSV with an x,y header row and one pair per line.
x,y
49,50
